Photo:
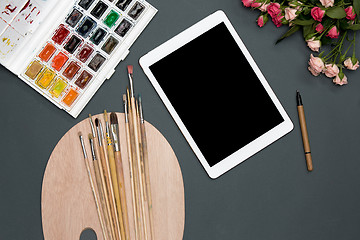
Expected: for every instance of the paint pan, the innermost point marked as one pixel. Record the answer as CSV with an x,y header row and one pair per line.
x,y
34,69
71,70
47,52
97,61
123,4
45,78
85,53
58,87
84,79
70,97
99,9
110,45
58,61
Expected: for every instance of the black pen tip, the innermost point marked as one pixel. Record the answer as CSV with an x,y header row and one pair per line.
x,y
298,98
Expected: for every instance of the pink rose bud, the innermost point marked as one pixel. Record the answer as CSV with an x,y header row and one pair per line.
x,y
247,3
316,65
331,70
327,3
290,13
313,44
319,28
262,19
333,33
340,81
274,9
348,63
317,13
350,14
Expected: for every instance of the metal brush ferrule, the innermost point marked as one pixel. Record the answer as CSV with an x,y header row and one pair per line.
x,y
126,111
115,136
83,146
92,127
92,148
99,135
131,85
101,130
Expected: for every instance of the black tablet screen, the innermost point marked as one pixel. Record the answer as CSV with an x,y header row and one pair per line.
x,y
216,93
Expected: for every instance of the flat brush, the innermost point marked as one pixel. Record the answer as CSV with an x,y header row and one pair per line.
x,y
120,172
113,174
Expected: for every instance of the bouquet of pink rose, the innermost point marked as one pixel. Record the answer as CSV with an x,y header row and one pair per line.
x,y
323,22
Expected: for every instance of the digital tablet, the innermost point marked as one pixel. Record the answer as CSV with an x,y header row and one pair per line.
x,y
216,94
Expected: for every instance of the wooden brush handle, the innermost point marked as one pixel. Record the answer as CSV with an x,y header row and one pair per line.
x,y
109,193
103,205
132,179
114,179
98,201
121,181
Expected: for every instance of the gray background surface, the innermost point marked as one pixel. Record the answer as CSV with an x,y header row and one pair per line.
x,y
269,196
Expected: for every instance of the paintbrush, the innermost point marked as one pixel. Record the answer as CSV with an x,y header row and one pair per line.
x,y
146,166
137,148
99,207
131,166
113,174
106,181
120,172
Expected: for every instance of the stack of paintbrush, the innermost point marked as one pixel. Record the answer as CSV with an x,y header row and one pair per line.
x,y
106,172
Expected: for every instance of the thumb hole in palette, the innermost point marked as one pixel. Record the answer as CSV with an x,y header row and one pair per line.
x,y
88,234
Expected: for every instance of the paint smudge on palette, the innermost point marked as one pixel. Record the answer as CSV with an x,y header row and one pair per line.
x,y
10,8
28,18
8,42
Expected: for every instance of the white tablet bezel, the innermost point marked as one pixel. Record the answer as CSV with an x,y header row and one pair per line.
x,y
180,40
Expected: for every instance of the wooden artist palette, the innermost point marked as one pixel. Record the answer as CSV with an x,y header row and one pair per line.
x,y
67,202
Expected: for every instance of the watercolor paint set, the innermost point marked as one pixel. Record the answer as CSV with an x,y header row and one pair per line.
x,y
66,49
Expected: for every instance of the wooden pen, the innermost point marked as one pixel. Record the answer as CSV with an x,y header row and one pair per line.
x,y
304,132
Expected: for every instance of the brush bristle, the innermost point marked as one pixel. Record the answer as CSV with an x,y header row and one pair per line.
x,y
80,134
113,118
105,116
96,122
130,69
124,97
90,136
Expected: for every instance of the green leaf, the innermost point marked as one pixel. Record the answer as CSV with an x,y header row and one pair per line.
x,y
291,31
343,24
356,5
354,27
336,12
307,30
303,22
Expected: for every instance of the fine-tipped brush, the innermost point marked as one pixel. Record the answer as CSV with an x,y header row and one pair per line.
x,y
97,196
131,167
146,166
120,172
106,181
137,148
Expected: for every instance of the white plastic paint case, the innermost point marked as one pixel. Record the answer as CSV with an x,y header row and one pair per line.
x,y
35,36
